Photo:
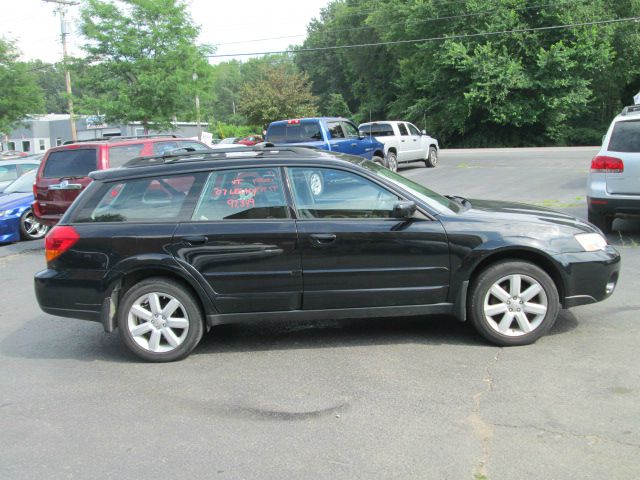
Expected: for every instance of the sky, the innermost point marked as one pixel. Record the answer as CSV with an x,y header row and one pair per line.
x,y
236,26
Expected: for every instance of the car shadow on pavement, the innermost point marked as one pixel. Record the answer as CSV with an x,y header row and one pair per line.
x,y
55,338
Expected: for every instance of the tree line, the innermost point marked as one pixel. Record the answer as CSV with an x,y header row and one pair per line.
x,y
479,73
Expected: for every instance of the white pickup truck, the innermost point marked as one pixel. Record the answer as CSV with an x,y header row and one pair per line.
x,y
403,142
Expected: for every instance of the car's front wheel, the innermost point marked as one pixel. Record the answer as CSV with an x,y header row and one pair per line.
x,y
392,161
513,303
159,320
30,228
432,158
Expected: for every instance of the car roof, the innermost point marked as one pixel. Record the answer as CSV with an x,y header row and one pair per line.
x,y
224,158
20,161
118,141
285,122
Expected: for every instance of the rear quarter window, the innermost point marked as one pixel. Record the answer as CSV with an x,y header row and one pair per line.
x,y
70,163
121,154
625,137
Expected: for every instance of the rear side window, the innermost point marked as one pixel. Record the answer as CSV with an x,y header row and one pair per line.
x,y
295,133
377,130
625,137
120,155
158,199
243,194
71,163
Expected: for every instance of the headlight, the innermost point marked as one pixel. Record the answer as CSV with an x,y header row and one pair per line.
x,y
6,213
591,242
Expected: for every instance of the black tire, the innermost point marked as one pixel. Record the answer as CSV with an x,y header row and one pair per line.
x,y
602,221
432,158
30,228
379,160
540,323
392,161
189,307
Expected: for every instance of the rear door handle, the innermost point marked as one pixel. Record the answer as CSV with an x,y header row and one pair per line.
x,y
195,239
321,239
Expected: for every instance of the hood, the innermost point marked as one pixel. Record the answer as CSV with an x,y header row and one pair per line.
x,y
9,201
508,212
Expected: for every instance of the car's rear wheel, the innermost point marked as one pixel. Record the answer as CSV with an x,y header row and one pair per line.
x,y
600,220
432,158
392,161
159,320
30,228
513,303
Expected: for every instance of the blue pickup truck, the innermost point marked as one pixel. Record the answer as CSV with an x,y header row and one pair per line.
x,y
329,133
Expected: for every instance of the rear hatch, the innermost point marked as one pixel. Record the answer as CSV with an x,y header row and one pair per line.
x,y
625,145
62,176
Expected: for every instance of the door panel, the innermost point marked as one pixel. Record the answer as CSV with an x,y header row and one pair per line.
x,y
355,254
243,242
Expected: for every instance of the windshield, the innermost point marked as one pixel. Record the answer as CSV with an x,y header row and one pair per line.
x,y
24,184
431,198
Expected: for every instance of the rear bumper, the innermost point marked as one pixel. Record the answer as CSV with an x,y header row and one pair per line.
x,y
589,277
73,294
50,220
610,205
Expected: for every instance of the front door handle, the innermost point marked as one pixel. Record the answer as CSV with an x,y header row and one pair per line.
x,y
195,239
322,239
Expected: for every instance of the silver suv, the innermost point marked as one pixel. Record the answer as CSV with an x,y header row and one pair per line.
x,y
613,184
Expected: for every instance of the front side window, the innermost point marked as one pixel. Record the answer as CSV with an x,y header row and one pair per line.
x,y
414,131
340,195
351,129
335,130
157,199
70,163
163,147
242,194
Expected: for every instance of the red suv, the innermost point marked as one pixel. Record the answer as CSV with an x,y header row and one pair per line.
x,y
64,171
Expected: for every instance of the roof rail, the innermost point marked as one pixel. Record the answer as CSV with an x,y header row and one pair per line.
x,y
116,138
630,109
183,154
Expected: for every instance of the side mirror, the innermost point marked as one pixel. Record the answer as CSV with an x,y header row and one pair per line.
x,y
404,209
424,132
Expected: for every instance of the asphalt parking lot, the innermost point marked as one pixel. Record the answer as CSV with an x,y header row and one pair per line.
x,y
373,399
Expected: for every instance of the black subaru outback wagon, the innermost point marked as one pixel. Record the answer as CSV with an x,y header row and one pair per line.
x,y
169,246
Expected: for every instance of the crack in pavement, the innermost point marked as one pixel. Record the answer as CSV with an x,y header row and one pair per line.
x,y
483,429
592,439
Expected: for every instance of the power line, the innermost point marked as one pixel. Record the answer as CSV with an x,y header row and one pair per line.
x,y
425,20
446,37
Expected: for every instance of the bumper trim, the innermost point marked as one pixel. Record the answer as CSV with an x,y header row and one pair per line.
x,y
576,300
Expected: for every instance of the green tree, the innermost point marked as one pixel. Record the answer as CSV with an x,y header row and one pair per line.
x,y
278,94
336,106
50,78
20,94
143,56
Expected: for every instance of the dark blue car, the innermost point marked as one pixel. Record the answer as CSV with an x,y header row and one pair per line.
x,y
17,221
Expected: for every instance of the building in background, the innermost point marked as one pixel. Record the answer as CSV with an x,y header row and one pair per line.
x,y
41,132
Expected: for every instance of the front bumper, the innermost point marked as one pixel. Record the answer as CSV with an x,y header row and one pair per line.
x,y
10,229
589,277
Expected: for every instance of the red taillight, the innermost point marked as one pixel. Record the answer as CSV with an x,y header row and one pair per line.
x,y
605,164
293,122
59,240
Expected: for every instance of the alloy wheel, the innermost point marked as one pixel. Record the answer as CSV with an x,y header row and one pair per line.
x,y
32,228
158,322
515,305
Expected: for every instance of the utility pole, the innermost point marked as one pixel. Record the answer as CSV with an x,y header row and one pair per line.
x,y
62,10
195,80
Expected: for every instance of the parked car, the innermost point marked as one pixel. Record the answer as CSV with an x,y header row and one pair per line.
x,y
164,251
10,170
613,183
64,171
17,221
250,140
403,142
327,133
11,154
228,141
